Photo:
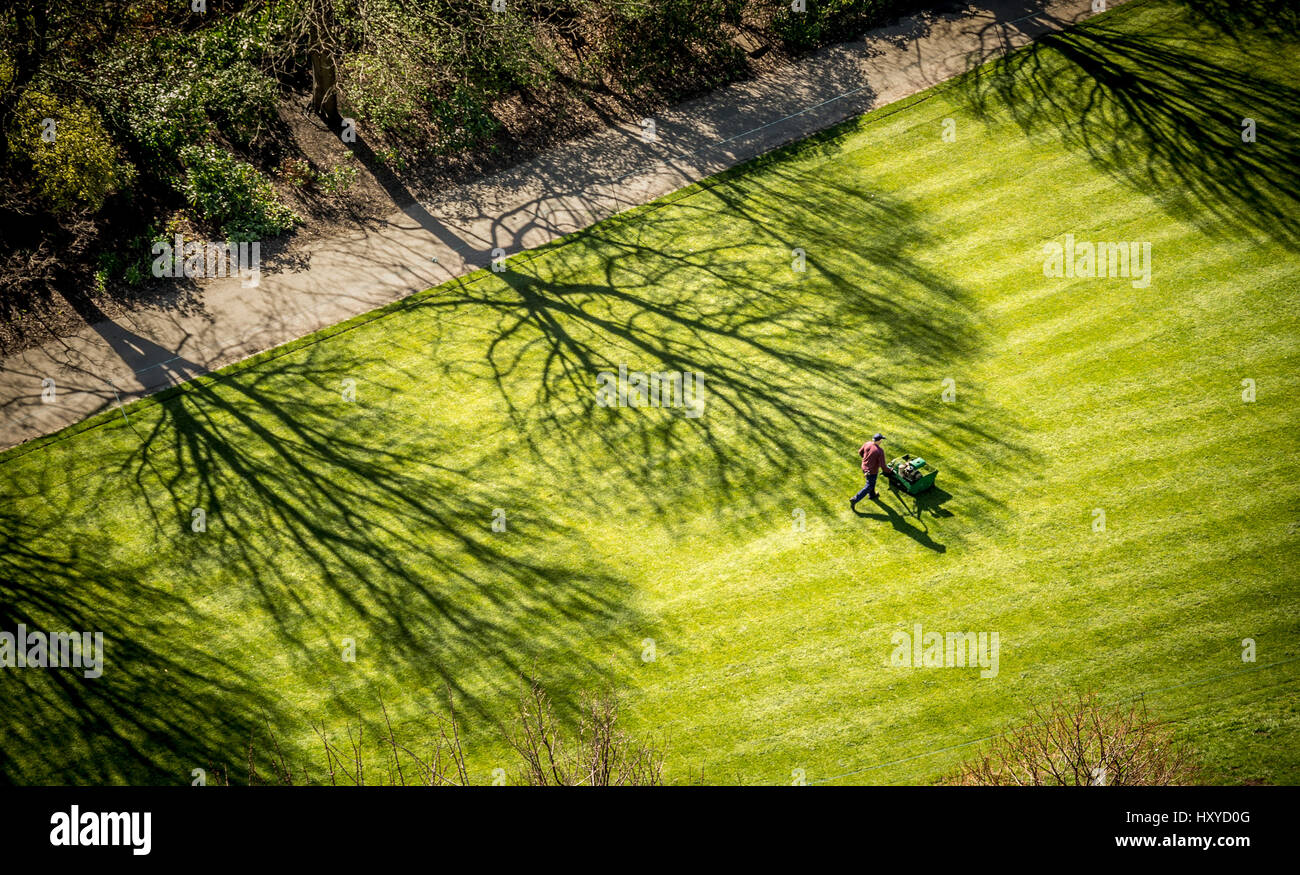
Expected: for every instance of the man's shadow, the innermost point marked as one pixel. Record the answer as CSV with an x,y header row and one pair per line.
x,y
931,500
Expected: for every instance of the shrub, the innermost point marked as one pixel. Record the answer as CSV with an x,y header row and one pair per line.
x,y
826,20
162,118
169,91
239,99
233,195
337,179
134,274
1081,743
391,157
147,89
596,754
81,166
132,260
379,91
461,121
296,172
677,45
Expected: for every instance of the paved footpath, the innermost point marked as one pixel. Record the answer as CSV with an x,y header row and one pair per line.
x,y
558,192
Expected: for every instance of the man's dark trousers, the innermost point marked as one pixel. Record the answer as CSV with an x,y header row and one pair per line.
x,y
869,489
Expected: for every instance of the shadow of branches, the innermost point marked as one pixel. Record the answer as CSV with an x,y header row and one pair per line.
x,y
1153,107
329,519
706,283
325,520
163,704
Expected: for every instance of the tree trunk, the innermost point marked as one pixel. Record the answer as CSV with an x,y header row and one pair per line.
x,y
325,92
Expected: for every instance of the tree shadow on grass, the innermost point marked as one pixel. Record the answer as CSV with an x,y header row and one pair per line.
x,y
324,522
1155,109
1248,20
706,283
329,519
163,705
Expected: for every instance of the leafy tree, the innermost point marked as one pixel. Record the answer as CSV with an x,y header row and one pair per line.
x,y
75,163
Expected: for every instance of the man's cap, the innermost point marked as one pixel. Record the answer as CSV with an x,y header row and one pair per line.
x,y
879,437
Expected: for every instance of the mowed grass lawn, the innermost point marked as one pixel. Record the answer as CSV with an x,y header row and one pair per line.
x,y
722,546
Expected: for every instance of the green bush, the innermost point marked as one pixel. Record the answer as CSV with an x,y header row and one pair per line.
x,y
81,165
233,90
233,195
296,172
239,99
676,45
169,91
161,117
380,91
392,158
799,31
132,260
461,121
337,179
826,20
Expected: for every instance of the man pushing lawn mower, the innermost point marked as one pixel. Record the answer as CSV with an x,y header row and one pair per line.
x,y
905,474
873,460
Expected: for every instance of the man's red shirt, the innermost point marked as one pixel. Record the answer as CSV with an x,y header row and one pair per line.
x,y
873,457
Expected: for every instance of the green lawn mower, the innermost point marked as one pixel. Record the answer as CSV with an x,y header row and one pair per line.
x,y
913,476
